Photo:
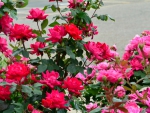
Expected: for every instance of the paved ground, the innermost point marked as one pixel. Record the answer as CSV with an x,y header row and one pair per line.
x,y
132,17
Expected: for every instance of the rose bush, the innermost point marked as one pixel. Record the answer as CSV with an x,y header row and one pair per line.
x,y
59,71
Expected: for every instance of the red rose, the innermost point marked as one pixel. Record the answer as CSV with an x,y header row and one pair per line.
x,y
54,99
5,93
73,85
21,32
74,31
17,71
30,107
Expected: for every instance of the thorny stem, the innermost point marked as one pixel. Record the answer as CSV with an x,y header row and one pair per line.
x,y
96,9
59,10
90,63
39,28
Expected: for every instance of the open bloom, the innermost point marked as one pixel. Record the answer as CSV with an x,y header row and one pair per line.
x,y
132,107
100,51
21,32
50,79
17,72
73,85
120,91
73,31
5,93
5,23
91,106
56,34
111,75
37,14
54,99
36,47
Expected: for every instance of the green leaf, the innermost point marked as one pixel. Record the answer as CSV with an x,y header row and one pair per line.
x,y
51,66
44,24
13,13
3,105
139,74
65,9
9,110
97,110
27,89
37,85
19,107
25,53
37,91
13,87
54,8
22,4
5,1
85,17
146,81
53,24
89,70
69,52
40,39
18,51
42,68
105,17
71,68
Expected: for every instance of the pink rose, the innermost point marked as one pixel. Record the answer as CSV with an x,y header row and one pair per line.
x,y
120,91
37,14
91,106
111,75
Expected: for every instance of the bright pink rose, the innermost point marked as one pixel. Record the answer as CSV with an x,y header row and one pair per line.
x,y
133,45
36,47
37,14
146,51
3,44
91,75
111,75
36,111
100,51
73,85
73,4
136,63
5,23
5,93
102,66
91,106
127,55
120,92
21,32
56,34
132,107
17,72
1,3
80,76
146,32
73,31
54,99
50,79
114,54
